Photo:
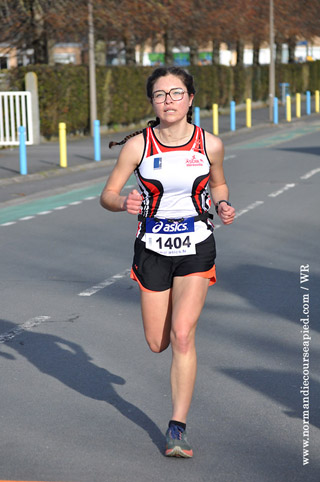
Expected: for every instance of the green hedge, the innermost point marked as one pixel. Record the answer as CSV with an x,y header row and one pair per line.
x,y
127,95
63,96
121,98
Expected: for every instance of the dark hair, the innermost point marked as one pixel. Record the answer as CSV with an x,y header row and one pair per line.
x,y
184,76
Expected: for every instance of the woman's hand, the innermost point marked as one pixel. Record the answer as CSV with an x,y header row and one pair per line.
x,y
226,213
132,202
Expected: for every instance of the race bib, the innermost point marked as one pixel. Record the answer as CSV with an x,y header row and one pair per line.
x,y
170,238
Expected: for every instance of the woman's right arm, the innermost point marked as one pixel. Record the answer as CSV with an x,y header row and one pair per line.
x,y
129,158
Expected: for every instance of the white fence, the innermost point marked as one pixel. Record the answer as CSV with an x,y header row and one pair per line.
x,y
15,111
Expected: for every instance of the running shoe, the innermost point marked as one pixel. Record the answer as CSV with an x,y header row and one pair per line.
x,y
176,443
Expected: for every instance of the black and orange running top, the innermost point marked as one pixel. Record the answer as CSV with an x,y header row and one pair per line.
x,y
173,181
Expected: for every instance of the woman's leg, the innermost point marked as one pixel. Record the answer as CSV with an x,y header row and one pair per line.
x,y
188,297
172,315
156,316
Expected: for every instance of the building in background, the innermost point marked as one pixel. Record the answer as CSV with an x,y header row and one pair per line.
x,y
113,54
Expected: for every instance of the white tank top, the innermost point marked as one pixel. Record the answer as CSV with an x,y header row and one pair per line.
x,y
173,181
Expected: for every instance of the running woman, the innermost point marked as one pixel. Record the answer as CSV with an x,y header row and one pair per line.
x,y
177,166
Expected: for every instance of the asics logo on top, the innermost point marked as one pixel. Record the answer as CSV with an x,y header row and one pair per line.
x,y
194,162
170,228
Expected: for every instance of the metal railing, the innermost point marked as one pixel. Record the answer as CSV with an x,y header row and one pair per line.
x,y
15,111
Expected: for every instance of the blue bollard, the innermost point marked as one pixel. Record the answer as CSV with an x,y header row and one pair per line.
x,y
197,116
96,137
233,115
308,102
22,150
275,111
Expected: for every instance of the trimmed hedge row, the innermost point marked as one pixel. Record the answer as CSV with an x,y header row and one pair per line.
x,y
121,98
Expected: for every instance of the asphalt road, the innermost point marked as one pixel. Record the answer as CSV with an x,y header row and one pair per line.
x,y
82,397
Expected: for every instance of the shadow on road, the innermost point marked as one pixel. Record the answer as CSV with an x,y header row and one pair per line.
x,y
282,387
314,150
274,291
71,365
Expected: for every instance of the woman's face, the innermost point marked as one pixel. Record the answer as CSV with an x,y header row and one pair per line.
x,y
171,110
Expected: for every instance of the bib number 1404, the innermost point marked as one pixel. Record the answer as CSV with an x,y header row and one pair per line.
x,y
173,242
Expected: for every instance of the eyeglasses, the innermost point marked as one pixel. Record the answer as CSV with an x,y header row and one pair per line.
x,y
160,96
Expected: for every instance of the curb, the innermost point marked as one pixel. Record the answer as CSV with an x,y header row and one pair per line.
x,y
56,172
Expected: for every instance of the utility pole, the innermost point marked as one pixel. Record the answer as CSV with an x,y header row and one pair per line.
x,y
271,67
92,70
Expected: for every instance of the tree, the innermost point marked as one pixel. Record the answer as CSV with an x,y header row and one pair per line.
x,y
129,22
294,21
259,27
37,24
33,24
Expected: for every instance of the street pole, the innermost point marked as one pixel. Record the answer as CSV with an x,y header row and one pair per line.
x,y
92,70
271,67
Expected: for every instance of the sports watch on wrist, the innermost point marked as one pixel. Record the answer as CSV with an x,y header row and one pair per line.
x,y
219,202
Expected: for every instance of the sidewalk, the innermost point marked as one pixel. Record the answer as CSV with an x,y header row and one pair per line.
x,y
43,160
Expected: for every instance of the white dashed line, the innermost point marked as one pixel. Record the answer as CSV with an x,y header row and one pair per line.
x,y
94,289
105,283
281,191
43,213
248,208
9,335
238,214
310,174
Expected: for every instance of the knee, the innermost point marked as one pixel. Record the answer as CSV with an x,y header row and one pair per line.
x,y
158,347
182,340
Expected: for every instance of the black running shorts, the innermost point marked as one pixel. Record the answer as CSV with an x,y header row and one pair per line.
x,y
155,272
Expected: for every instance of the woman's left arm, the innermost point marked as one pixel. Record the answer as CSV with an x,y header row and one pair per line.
x,y
218,186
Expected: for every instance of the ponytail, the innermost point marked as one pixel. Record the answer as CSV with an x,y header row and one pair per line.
x,y
151,123
112,143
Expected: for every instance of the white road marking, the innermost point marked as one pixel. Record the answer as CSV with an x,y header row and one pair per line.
x,y
94,289
248,208
9,335
229,157
310,174
281,191
43,213
113,279
240,213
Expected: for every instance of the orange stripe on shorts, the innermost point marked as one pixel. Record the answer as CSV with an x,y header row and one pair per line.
x,y
211,274
135,278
